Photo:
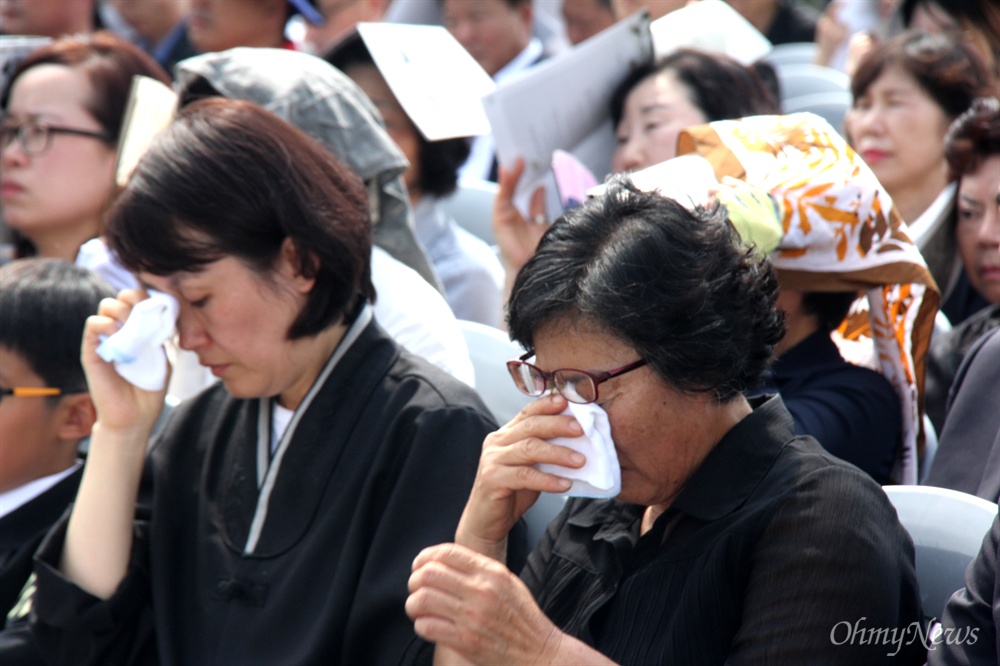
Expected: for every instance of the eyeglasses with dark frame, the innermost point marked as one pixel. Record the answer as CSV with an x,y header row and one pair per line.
x,y
577,386
35,136
39,391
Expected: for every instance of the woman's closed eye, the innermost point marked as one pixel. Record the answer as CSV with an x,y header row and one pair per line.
x,y
969,213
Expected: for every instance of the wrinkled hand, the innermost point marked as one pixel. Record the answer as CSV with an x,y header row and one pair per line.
x,y
120,406
516,237
472,604
507,483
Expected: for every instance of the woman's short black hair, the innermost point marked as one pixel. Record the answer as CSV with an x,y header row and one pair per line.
x,y
718,85
950,72
44,304
231,179
675,284
439,164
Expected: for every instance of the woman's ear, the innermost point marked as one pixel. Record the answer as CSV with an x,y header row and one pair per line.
x,y
291,266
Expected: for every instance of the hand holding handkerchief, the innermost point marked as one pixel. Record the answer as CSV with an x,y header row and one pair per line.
x,y
136,348
600,476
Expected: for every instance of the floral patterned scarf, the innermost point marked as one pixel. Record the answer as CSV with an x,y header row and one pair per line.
x,y
841,232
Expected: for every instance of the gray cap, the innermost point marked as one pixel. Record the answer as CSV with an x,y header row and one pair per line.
x,y
317,98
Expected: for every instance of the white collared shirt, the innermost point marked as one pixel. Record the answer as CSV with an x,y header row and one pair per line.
x,y
924,227
480,160
17,497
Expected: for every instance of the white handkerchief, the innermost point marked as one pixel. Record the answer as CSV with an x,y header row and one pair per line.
x,y
136,348
600,476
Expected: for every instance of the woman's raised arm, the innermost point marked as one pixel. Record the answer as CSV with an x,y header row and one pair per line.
x,y
99,535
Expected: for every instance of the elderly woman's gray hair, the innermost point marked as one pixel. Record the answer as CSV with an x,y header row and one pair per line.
x,y
675,284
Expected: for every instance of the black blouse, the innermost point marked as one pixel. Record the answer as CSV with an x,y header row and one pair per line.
x,y
774,553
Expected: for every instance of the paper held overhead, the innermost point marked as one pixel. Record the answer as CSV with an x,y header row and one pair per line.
x,y
563,103
437,82
709,25
688,180
151,108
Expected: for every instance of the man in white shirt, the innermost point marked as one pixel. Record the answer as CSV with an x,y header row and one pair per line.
x,y
498,34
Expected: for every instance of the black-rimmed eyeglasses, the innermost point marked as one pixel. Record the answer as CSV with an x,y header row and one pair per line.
x,y
39,391
577,386
35,136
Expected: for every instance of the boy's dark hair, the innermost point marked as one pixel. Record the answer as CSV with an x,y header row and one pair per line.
x,y
44,304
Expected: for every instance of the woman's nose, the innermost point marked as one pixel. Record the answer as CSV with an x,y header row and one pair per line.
x,y
989,230
190,333
864,121
12,153
630,155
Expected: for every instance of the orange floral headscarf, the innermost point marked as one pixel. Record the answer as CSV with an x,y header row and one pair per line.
x,y
841,232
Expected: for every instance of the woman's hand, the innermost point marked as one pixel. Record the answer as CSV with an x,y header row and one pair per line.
x,y
474,606
507,483
516,237
121,407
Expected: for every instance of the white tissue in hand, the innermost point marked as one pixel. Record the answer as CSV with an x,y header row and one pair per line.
x,y
136,348
600,476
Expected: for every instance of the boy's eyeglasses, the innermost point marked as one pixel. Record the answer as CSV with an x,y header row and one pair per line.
x,y
38,391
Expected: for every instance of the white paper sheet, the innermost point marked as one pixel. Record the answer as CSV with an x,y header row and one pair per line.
x,y
709,25
688,179
563,103
437,82
151,108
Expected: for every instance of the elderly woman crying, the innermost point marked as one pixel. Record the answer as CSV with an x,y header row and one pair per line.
x,y
732,540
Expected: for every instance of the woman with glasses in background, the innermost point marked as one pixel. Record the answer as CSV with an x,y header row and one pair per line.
x,y
63,108
718,547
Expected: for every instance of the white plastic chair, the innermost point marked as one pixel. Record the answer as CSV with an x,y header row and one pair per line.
x,y
490,349
947,528
807,79
472,207
831,106
795,53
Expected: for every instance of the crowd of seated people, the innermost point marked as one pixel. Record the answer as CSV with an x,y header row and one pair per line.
x,y
332,488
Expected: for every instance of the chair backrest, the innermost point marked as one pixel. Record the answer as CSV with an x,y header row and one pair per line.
x,y
795,53
472,207
807,79
490,349
831,106
947,528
